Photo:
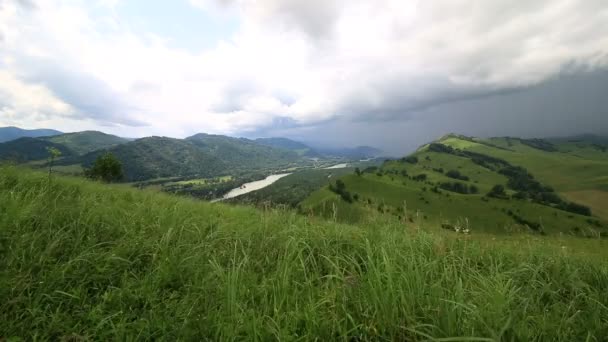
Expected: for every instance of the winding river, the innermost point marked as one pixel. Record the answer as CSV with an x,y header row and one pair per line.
x,y
337,166
257,185
253,186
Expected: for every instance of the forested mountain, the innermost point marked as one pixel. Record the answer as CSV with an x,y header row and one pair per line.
x,y
29,149
86,141
201,155
69,144
12,133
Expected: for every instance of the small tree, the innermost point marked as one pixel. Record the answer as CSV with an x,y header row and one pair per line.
x,y
498,191
106,168
54,153
358,171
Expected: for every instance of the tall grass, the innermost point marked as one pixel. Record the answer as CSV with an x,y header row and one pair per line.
x,y
80,260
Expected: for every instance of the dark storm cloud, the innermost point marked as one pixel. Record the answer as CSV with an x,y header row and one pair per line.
x,y
394,99
565,105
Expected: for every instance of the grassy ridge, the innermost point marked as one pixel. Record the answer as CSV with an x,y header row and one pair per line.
x,y
84,260
395,189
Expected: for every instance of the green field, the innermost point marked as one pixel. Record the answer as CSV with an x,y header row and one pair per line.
x,y
201,181
394,190
82,260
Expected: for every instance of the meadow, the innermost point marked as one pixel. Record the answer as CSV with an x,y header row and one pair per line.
x,y
421,186
87,261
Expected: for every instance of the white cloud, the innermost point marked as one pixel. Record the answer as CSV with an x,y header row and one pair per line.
x,y
332,59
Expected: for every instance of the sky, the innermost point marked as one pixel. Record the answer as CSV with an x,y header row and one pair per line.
x,y
387,73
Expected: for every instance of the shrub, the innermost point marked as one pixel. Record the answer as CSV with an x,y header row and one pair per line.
x,y
456,175
410,159
340,189
498,191
576,208
420,178
370,169
106,168
458,187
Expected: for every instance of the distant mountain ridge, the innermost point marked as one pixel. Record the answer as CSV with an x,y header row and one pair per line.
x,y
69,144
204,155
12,133
200,155
86,141
359,152
282,143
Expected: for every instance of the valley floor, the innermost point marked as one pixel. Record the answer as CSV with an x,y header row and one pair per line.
x,y
81,260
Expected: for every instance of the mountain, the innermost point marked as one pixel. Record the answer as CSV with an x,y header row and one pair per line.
x,y
70,145
12,133
86,141
359,152
201,155
288,144
241,153
284,143
497,184
30,149
157,157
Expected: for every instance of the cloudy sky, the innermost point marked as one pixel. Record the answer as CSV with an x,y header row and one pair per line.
x,y
387,73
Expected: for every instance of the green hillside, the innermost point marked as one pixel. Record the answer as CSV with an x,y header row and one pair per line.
x,y
447,183
158,157
86,261
199,156
70,144
576,167
29,149
86,141
243,153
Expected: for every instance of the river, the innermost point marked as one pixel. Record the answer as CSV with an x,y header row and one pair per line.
x,y
253,186
337,166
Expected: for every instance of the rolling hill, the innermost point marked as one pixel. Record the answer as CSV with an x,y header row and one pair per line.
x,y
12,133
26,149
284,143
70,144
86,141
453,182
288,144
241,153
82,260
359,152
157,157
201,155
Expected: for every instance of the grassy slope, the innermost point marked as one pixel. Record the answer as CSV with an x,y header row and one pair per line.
x,y
391,192
578,171
84,260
